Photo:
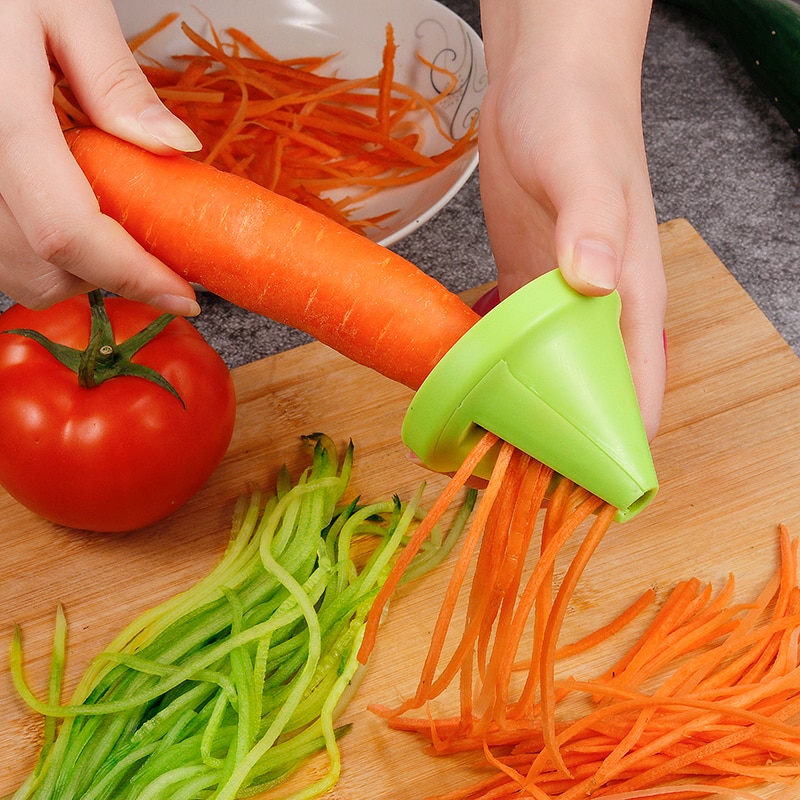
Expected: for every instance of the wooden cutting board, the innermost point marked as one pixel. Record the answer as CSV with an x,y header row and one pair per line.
x,y
727,459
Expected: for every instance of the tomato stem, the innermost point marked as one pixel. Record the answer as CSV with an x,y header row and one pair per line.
x,y
104,358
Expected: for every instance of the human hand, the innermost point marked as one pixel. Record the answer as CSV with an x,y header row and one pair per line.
x,y
54,242
563,172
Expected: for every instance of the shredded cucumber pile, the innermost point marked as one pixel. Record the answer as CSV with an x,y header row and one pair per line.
x,y
225,690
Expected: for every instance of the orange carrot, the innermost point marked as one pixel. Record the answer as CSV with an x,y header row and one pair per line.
x,y
707,699
270,255
386,82
428,687
553,628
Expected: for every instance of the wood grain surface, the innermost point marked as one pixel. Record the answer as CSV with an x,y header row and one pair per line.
x,y
727,459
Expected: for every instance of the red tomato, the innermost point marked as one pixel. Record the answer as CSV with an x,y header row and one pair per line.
x,y
125,453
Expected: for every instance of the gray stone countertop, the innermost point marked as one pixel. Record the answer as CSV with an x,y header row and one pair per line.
x,y
720,155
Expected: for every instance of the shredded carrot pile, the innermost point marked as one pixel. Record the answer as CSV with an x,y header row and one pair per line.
x,y
286,126
705,704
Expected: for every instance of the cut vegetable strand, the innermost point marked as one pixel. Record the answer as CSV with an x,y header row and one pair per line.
x,y
434,515
555,622
232,685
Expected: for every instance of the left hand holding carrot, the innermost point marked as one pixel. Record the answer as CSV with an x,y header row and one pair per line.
x,y
54,243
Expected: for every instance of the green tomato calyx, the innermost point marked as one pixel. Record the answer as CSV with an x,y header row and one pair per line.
x,y
103,358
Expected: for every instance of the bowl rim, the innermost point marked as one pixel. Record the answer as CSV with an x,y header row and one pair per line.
x,y
443,186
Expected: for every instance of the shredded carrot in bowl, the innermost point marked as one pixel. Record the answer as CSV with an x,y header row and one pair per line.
x,y
324,141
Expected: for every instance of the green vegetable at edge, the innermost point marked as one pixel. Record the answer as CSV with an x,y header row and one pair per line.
x,y
227,688
765,35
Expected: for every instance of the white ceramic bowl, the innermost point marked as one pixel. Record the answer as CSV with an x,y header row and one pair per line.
x,y
356,30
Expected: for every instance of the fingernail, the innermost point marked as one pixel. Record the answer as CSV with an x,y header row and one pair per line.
x,y
163,126
176,304
596,263
486,302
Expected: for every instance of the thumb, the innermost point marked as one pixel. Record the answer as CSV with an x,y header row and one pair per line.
x,y
89,47
591,229
601,248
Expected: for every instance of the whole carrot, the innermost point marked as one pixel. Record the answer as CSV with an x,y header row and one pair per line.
x,y
275,257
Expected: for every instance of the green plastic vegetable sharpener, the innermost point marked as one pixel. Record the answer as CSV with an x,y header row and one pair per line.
x,y
545,370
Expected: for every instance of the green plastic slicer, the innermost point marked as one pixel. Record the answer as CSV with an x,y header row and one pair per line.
x,y
545,370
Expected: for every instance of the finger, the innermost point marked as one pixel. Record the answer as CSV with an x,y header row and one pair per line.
x,y
97,249
59,218
591,230
590,257
606,241
36,282
606,238
47,193
89,47
644,346
26,278
643,290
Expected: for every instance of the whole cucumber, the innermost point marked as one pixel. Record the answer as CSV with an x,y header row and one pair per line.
x,y
765,35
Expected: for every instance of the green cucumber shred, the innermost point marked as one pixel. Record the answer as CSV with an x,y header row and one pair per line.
x,y
225,690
